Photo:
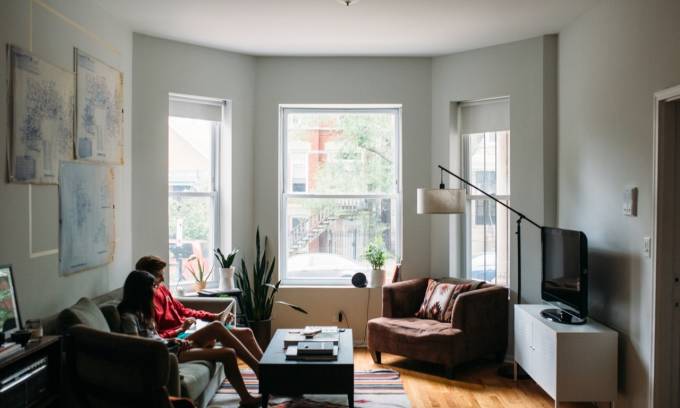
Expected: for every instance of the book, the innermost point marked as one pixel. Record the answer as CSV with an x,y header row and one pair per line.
x,y
293,338
324,329
316,348
292,354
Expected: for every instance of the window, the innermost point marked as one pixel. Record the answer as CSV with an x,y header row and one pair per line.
x,y
341,190
484,127
194,129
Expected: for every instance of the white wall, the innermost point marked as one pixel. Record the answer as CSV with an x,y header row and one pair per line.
x,y
162,67
51,29
403,81
524,71
611,61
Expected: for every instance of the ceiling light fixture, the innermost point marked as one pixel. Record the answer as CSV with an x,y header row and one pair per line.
x,y
348,2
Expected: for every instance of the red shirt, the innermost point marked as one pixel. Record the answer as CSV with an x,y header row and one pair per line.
x,y
170,313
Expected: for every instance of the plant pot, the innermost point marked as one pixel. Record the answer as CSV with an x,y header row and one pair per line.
x,y
227,278
262,329
198,286
377,278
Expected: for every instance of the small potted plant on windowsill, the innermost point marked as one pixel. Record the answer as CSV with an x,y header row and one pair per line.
x,y
227,275
376,255
199,270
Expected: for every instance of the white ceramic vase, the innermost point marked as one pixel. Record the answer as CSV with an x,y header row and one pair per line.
x,y
227,278
377,278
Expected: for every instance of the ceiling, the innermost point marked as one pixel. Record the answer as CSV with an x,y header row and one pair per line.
x,y
328,28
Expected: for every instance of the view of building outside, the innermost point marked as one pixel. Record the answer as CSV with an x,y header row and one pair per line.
x,y
192,194
488,168
341,190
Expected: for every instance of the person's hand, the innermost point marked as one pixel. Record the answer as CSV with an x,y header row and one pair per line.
x,y
226,317
183,344
186,324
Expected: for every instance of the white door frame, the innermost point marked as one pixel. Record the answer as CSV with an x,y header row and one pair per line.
x,y
660,386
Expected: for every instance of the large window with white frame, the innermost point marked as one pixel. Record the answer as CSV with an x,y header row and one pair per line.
x,y
195,127
340,190
485,131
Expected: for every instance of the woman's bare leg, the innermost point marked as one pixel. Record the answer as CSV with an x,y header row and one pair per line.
x,y
216,331
246,336
228,357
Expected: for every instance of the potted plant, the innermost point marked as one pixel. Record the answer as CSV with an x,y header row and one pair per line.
x,y
376,255
199,270
258,292
227,275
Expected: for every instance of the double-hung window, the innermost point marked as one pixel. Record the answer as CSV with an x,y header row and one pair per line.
x,y
194,130
340,190
485,130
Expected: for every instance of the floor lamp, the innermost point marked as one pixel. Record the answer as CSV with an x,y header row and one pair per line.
x,y
452,201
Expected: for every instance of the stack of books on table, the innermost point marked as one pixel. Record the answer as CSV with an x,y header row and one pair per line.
x,y
9,349
313,343
312,351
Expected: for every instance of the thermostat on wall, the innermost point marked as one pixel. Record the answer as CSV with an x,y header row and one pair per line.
x,y
630,201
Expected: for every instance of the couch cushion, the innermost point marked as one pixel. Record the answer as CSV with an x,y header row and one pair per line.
x,y
439,299
423,339
110,312
83,312
476,284
194,377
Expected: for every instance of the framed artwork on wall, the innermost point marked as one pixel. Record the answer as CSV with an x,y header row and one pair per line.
x,y
42,100
99,110
87,216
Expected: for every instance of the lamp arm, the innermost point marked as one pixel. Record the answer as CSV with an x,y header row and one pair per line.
x,y
519,214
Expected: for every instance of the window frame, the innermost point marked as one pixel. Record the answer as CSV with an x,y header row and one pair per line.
x,y
217,184
474,194
283,185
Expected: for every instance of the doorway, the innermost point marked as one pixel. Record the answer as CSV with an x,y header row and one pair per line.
x,y
665,378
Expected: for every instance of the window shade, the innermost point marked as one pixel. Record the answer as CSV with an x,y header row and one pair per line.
x,y
485,116
196,109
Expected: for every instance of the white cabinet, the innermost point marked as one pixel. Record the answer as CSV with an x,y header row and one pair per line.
x,y
570,362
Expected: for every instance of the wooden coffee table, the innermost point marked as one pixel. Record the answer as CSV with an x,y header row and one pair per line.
x,y
279,376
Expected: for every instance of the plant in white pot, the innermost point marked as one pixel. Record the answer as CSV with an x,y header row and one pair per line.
x,y
376,255
259,292
227,275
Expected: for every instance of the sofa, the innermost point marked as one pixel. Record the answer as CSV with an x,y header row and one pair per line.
x,y
196,380
478,326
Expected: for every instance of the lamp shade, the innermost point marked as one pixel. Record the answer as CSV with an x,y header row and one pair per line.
x,y
441,201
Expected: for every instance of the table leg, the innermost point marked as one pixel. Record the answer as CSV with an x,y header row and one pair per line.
x,y
265,399
350,399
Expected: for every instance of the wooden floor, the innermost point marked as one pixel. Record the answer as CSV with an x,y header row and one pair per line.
x,y
475,385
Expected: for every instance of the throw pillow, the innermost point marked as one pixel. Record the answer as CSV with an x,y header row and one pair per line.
x,y
84,312
439,300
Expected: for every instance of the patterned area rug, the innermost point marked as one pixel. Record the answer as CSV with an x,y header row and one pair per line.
x,y
372,389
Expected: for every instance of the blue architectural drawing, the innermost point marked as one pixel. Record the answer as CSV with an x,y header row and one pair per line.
x,y
86,205
42,118
99,91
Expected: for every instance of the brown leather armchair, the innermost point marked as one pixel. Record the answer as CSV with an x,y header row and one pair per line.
x,y
478,327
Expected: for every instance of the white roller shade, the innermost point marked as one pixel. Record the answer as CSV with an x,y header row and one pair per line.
x,y
196,109
485,116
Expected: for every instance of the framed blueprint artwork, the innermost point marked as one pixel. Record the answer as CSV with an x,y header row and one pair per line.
x,y
86,216
99,110
42,99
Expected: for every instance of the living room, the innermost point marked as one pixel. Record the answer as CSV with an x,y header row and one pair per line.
x,y
577,82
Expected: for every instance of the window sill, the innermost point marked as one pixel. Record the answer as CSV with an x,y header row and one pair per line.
x,y
319,286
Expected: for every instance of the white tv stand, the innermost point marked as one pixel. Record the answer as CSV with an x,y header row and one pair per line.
x,y
570,362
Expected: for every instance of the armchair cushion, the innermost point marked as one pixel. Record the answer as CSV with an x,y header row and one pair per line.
x,y
84,312
439,300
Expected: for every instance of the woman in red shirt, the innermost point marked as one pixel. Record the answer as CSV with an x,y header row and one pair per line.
x,y
173,318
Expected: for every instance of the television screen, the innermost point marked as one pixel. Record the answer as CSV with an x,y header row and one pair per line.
x,y
565,264
9,312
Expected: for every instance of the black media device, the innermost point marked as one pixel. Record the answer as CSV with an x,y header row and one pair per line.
x,y
565,275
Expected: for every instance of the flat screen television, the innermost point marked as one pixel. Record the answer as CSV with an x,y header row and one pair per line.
x,y
565,275
9,310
